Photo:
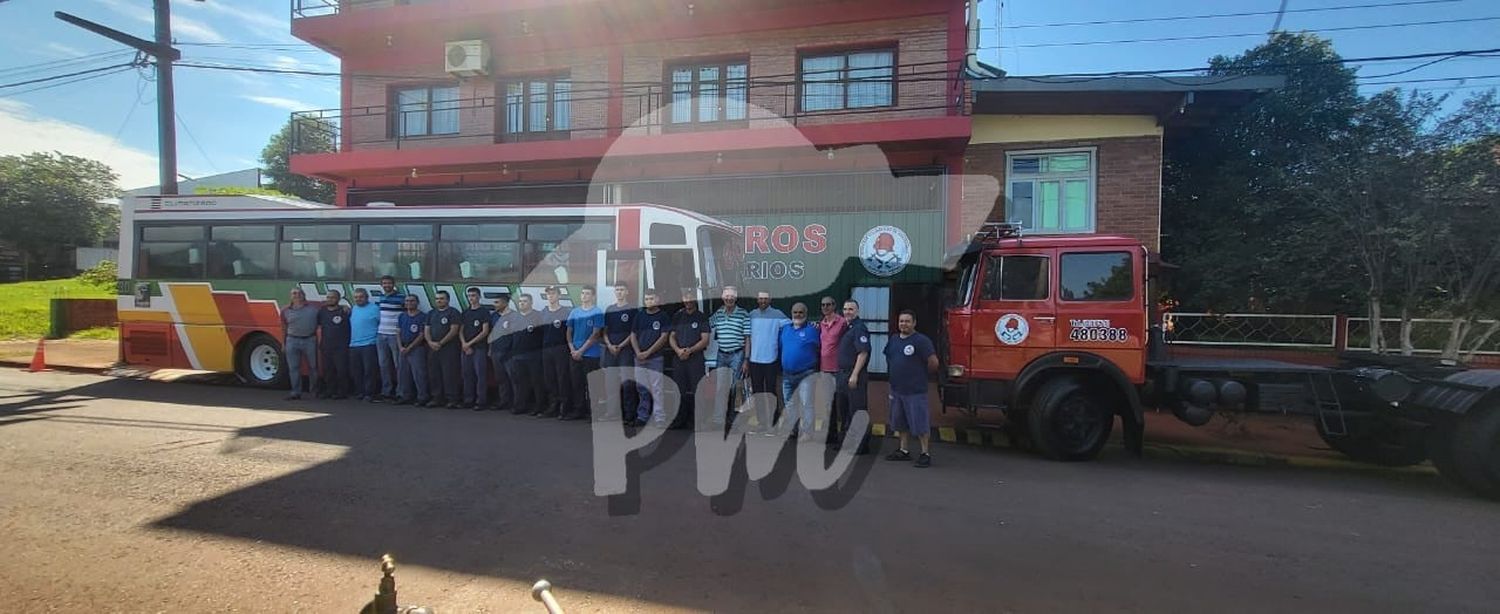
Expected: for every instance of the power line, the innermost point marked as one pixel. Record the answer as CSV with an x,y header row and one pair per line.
x,y
1432,80
1103,22
64,76
194,139
1197,37
16,71
71,81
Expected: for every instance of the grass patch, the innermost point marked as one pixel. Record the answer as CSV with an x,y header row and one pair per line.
x,y
100,333
27,305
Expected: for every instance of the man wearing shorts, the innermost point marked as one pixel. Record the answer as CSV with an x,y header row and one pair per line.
x,y
909,358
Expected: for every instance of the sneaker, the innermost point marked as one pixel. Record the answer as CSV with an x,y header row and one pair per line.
x,y
453,406
477,407
898,455
924,461
292,397
375,400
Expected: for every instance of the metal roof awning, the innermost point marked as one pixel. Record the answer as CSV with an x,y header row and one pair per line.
x,y
1174,101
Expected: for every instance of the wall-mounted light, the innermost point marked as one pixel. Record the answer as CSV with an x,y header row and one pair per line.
x,y
525,27
504,169
390,41
413,173
830,153
719,158
691,8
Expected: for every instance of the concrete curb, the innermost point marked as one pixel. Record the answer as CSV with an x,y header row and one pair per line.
x,y
23,364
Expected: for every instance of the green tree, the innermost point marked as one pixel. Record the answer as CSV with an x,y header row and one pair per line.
x,y
302,135
1238,213
207,190
53,201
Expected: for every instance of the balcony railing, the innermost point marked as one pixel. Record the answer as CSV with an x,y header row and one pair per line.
x,y
316,8
645,110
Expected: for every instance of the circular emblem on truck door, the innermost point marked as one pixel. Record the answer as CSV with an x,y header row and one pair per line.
x,y
885,250
1011,329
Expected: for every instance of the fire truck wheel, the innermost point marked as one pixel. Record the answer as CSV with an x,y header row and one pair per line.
x,y
261,363
1378,442
1473,455
1067,421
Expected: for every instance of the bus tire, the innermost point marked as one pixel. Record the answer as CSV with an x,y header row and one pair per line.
x,y
1474,451
260,362
1378,442
1067,421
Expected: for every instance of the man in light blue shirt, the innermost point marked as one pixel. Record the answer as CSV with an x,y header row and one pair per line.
x,y
364,327
585,326
765,349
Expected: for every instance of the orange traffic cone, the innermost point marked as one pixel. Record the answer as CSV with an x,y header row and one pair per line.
x,y
39,359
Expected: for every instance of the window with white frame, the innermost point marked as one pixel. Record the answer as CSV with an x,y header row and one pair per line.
x,y
427,110
538,107
848,80
709,92
1051,192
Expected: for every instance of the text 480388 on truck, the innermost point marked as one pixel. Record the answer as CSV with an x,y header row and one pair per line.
x,y
1060,334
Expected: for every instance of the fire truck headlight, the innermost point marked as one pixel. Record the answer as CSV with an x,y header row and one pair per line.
x,y
955,370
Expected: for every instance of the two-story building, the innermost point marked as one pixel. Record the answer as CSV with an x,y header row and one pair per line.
x,y
847,138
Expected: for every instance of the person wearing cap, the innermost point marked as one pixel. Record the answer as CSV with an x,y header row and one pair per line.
x,y
412,376
443,327
851,385
649,340
689,339
619,325
474,341
333,346
585,327
526,357
299,330
364,363
500,351
800,344
730,327
387,342
765,327
554,315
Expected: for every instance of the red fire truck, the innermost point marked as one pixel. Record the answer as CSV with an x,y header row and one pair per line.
x,y
1060,334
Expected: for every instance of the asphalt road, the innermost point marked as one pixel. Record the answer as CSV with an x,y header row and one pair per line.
x,y
139,496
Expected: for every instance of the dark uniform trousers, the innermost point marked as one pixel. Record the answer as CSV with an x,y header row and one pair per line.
x,y
555,394
525,381
445,370
617,386
500,361
687,374
763,379
578,386
846,403
335,364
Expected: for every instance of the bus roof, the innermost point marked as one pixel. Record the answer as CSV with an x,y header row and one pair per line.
x,y
238,207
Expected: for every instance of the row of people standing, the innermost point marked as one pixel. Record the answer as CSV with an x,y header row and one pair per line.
x,y
389,349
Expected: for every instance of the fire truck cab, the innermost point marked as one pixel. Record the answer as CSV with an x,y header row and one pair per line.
x,y
1053,331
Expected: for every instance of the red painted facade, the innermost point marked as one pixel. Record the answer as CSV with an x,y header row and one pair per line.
x,y
618,58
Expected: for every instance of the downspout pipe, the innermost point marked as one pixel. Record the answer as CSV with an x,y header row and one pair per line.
x,y
973,68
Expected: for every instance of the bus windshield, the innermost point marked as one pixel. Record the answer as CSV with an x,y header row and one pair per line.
x,y
722,251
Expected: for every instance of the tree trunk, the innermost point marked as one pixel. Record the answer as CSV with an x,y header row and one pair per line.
x,y
1377,328
1456,333
1406,344
1483,339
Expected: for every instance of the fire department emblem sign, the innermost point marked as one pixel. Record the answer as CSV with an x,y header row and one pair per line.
x,y
885,250
1011,329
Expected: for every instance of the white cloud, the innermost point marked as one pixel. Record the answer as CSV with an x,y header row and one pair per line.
x,y
264,24
64,50
28,132
281,103
185,28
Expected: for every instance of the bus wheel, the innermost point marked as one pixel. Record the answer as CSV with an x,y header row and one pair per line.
x,y
1378,442
261,362
1067,421
1473,453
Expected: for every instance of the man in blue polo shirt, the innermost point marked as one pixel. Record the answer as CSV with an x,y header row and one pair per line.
x,y
800,352
554,354
585,325
388,345
619,324
413,373
364,324
909,358
652,324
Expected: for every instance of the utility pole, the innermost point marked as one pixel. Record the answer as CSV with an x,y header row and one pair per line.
x,y
162,51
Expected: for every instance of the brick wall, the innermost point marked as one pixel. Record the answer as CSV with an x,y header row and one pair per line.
x,y
1127,196
772,57
70,315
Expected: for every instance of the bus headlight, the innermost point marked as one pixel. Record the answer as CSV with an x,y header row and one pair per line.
x,y
955,370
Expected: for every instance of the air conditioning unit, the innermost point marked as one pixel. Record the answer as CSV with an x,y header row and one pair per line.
x,y
466,58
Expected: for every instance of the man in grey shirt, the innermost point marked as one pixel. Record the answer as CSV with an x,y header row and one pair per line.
x,y
299,331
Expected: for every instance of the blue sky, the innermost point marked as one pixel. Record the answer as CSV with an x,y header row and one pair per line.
x,y
231,115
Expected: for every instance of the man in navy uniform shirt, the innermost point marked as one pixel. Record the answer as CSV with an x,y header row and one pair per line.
x,y
500,351
443,324
555,359
619,324
689,339
411,373
650,339
526,357
333,346
850,391
474,339
909,358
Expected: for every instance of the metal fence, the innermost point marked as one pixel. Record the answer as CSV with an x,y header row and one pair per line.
x,y
1428,335
1251,329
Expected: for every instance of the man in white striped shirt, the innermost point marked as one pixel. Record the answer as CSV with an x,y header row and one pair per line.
x,y
387,342
730,326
